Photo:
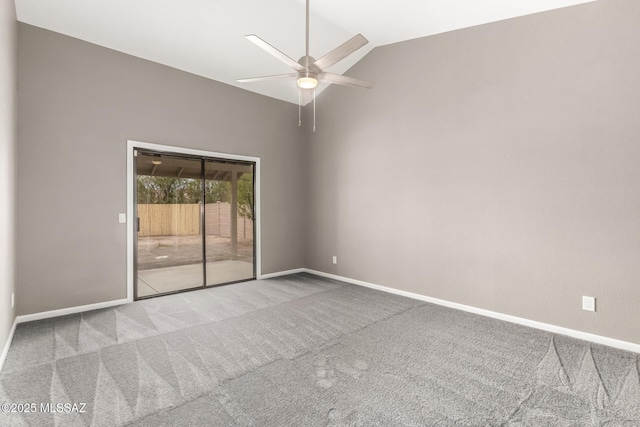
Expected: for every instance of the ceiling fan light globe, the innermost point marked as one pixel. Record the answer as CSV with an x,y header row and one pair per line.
x,y
307,82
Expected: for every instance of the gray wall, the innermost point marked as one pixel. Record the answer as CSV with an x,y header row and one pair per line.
x,y
495,166
78,105
8,139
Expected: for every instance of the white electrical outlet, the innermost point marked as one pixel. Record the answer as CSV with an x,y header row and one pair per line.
x,y
335,259
589,303
12,300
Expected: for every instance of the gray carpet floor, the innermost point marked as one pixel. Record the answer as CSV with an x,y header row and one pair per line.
x,y
302,350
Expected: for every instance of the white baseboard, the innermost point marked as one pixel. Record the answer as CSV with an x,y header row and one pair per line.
x,y
5,350
598,339
107,304
282,273
70,310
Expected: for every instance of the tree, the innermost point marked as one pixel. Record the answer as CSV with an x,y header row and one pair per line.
x,y
217,191
165,190
169,190
245,196
153,190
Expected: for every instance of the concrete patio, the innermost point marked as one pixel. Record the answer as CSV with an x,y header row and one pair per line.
x,y
169,279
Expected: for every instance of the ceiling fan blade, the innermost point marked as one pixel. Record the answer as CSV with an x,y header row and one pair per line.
x,y
274,52
259,79
344,80
341,52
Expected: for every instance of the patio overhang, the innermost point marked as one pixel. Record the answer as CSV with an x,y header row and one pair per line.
x,y
176,167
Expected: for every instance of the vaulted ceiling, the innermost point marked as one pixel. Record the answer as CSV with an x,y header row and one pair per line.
x,y
206,37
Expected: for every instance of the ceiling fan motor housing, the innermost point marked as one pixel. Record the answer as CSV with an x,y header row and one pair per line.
x,y
308,62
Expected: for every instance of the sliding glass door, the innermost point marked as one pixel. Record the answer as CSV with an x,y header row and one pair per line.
x,y
229,221
195,222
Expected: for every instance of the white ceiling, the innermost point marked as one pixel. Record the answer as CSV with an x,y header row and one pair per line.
x,y
206,37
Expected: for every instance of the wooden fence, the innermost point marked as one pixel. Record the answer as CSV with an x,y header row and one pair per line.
x,y
184,220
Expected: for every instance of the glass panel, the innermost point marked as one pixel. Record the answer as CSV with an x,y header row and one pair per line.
x,y
169,192
229,220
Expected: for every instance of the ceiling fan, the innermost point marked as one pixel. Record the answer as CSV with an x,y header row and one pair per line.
x,y
310,71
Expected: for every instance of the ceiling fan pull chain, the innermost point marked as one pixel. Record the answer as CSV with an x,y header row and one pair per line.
x,y
299,107
314,109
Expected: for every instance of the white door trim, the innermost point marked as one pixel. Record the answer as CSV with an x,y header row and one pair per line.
x,y
131,146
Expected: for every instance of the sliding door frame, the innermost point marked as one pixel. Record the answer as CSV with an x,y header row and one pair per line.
x,y
132,146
